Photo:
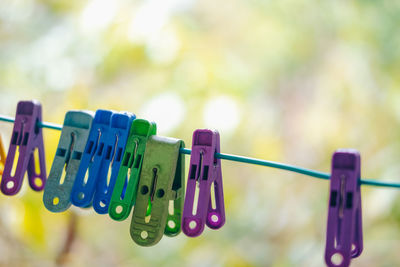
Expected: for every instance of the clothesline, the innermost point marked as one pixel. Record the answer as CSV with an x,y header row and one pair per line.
x,y
242,159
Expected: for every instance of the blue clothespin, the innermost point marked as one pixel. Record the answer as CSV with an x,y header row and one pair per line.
x,y
104,170
91,164
344,236
74,134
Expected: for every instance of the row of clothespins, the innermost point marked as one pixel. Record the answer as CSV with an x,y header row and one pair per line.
x,y
113,162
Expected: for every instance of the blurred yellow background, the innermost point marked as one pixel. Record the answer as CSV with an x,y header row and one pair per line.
x,y
288,80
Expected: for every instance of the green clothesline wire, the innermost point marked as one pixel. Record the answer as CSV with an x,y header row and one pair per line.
x,y
261,162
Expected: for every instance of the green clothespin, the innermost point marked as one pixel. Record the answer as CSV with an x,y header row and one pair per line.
x,y
121,202
161,187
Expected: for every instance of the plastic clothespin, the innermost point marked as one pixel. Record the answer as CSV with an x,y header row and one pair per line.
x,y
344,238
74,134
27,137
204,173
124,194
2,155
109,162
91,164
159,202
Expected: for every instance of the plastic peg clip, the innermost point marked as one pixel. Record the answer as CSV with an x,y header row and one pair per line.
x,y
109,162
125,190
159,202
2,156
91,163
204,174
344,238
74,134
27,138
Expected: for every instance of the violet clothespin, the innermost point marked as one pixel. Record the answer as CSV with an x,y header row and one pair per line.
x,y
26,137
205,172
344,239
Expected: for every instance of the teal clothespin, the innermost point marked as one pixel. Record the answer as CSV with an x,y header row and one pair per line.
x,y
124,194
161,184
74,135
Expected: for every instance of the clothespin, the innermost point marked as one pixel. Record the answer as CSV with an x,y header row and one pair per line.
x,y
73,139
344,238
204,173
91,163
109,161
27,137
159,202
2,156
124,194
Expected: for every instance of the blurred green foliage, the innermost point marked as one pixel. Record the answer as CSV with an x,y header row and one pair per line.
x,y
288,80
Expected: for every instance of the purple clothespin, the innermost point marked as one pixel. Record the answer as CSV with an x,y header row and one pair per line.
x,y
344,239
27,136
205,171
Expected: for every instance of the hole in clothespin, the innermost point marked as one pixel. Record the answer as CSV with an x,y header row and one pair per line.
x,y
10,184
119,209
196,200
144,234
63,174
85,180
214,218
160,193
192,224
36,160
56,200
144,190
171,224
337,259
38,182
108,177
67,153
153,188
15,163
81,195
171,207
212,193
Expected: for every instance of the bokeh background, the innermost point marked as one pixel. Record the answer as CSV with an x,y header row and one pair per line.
x,y
288,80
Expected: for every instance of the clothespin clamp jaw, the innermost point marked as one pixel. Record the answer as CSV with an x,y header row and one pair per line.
x,y
125,189
158,208
111,160
204,173
27,137
2,156
91,162
344,238
71,147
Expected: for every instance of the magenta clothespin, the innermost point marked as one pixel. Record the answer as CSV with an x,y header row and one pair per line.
x,y
205,172
344,239
26,137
